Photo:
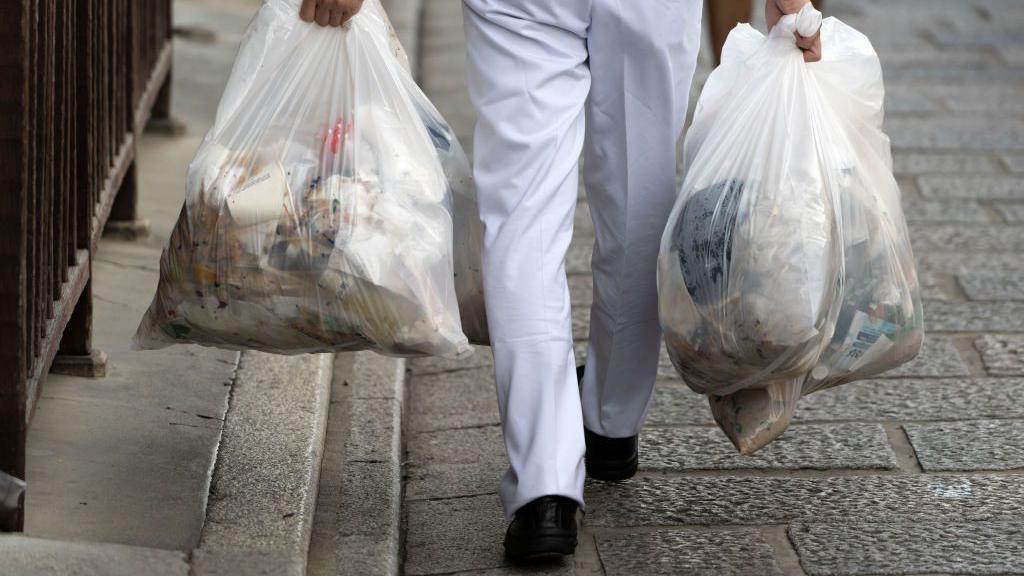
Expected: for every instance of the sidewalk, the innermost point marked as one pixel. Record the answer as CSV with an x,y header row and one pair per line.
x,y
919,472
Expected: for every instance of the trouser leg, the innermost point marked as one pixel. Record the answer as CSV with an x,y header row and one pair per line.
x,y
528,81
642,59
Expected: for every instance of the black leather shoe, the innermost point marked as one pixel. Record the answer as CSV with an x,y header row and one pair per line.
x,y
609,459
544,528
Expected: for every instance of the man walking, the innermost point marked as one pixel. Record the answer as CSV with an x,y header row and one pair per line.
x,y
549,79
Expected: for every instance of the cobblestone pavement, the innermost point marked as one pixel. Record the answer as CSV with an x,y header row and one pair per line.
x,y
918,472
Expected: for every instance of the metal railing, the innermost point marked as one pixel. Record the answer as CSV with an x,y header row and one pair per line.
x,y
79,79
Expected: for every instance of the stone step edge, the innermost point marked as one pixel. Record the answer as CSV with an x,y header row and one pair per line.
x,y
263,492
368,517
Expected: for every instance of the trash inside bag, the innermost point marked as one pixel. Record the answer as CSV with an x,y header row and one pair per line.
x,y
320,207
786,264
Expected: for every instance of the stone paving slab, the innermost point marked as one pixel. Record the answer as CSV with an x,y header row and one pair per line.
x,y
457,534
974,316
696,552
956,133
818,447
24,556
916,399
907,399
938,358
993,285
453,400
972,445
577,259
450,463
910,548
983,239
972,187
914,164
708,500
1015,162
1002,355
481,358
952,262
1011,213
956,211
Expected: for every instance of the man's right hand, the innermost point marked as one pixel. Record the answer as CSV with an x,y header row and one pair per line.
x,y
329,12
773,12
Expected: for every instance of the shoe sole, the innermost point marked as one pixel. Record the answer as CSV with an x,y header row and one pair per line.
x,y
542,548
613,471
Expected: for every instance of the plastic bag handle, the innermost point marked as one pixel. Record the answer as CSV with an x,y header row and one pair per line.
x,y
808,21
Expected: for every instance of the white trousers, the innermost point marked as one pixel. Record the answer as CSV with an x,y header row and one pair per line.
x,y
548,79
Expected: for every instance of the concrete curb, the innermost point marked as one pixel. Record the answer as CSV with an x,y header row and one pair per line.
x,y
265,481
358,527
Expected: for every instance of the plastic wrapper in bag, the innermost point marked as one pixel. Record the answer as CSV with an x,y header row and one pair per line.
x,y
786,264
319,213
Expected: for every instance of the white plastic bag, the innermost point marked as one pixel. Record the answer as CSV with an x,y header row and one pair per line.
x,y
786,264
319,214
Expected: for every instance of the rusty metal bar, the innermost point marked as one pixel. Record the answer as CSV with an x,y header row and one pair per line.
x,y
81,77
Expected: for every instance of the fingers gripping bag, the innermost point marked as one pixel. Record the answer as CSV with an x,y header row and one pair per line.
x,y
786,265
318,214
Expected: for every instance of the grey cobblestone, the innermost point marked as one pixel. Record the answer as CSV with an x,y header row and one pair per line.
x,y
696,552
972,187
972,445
956,133
937,286
963,262
916,399
987,238
1012,213
1015,162
993,285
457,534
581,291
818,447
1002,355
959,211
577,259
452,400
974,316
481,358
868,400
909,548
459,462
706,500
914,164
938,358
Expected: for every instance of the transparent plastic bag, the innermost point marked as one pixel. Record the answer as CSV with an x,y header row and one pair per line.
x,y
786,264
319,214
